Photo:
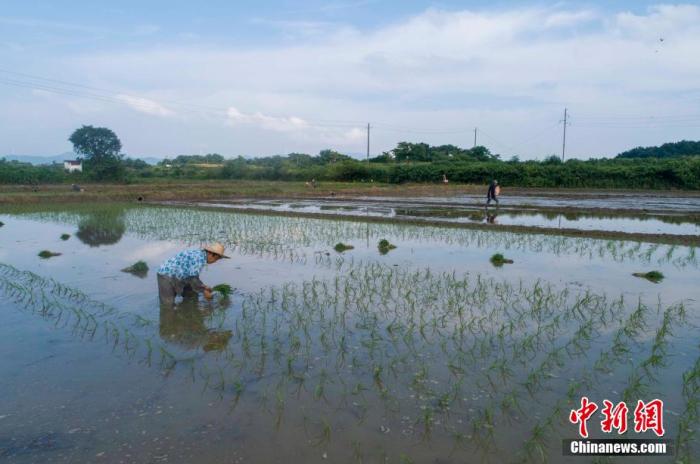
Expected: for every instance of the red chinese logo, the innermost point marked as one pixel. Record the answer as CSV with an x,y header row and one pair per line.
x,y
647,416
581,416
615,417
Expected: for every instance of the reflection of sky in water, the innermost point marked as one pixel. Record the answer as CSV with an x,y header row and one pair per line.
x,y
93,393
689,204
641,224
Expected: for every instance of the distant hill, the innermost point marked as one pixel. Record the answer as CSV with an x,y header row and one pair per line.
x,y
48,159
39,159
667,150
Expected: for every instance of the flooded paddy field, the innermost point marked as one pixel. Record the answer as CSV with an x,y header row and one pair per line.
x,y
670,222
654,201
426,352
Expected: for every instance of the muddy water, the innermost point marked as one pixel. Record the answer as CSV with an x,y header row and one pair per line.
x,y
427,353
681,222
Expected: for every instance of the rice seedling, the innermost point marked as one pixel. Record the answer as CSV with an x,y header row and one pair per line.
x,y
224,289
690,417
341,247
46,254
499,260
652,276
139,269
65,237
384,246
373,340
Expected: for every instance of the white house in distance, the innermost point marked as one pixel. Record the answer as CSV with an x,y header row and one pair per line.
x,y
73,165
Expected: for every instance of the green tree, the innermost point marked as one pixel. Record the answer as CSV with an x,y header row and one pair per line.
x,y
331,156
100,147
667,150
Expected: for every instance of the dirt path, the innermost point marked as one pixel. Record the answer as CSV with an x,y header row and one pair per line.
x,y
216,189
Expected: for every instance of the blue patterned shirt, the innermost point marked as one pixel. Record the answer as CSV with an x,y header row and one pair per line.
x,y
185,264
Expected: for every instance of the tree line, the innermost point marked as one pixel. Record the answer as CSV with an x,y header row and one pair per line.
x,y
667,150
408,162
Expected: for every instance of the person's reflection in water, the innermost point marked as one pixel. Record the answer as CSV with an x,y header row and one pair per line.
x,y
184,325
101,228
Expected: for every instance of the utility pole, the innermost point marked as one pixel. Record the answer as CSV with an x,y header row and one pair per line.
x,y
563,144
475,136
367,142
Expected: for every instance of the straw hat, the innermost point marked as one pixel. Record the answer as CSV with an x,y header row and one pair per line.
x,y
216,248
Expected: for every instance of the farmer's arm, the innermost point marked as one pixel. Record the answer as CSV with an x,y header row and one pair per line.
x,y
199,287
196,284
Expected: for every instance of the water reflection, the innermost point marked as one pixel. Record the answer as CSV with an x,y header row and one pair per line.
x,y
101,228
185,325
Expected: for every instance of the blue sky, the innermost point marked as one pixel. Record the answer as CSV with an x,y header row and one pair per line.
x,y
261,78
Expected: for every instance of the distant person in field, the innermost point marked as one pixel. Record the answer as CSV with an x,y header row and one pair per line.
x,y
179,275
493,192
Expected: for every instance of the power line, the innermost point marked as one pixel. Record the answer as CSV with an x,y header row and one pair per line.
x,y
593,121
650,117
104,95
391,127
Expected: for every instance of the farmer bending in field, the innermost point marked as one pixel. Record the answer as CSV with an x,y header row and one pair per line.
x,y
493,192
180,274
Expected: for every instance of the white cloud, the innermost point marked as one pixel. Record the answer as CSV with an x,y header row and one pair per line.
x,y
279,124
570,18
145,105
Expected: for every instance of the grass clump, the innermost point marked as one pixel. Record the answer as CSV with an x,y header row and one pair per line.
x,y
341,247
2,223
46,254
65,237
499,260
384,246
139,269
652,276
224,289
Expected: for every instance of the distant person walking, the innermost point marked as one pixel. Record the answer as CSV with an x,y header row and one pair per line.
x,y
493,192
179,275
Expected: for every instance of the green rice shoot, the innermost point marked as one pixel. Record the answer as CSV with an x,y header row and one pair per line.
x,y
341,247
499,260
139,268
45,254
385,247
223,289
652,276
